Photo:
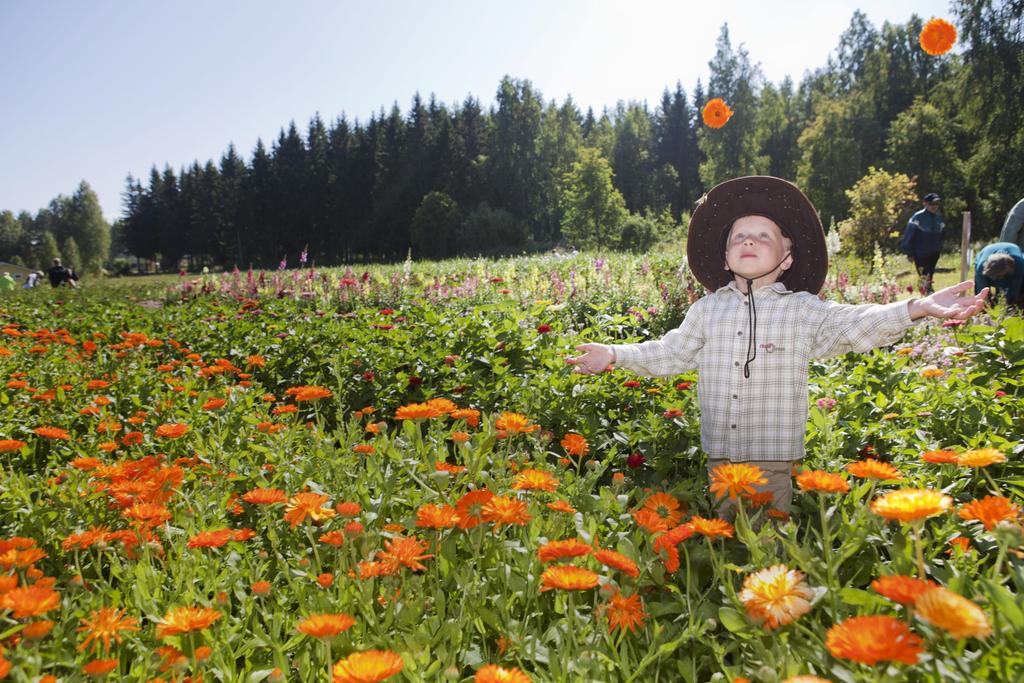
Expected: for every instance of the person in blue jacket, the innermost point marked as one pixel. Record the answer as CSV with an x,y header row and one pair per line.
x,y
922,240
1001,265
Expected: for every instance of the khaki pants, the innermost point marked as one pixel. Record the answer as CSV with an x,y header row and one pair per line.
x,y
779,474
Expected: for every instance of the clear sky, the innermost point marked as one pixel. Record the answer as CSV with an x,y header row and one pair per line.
x,y
99,89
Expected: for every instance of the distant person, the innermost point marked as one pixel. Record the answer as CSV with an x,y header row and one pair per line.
x,y
922,240
1012,227
72,276
58,274
1001,265
6,283
32,280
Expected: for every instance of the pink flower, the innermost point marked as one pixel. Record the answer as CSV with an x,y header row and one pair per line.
x,y
826,403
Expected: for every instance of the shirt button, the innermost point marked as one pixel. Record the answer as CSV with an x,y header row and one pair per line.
x,y
735,396
733,426
737,363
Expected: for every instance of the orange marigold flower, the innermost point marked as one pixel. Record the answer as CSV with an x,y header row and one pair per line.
x,y
303,505
937,37
616,560
650,520
736,479
186,619
148,514
417,411
367,667
442,466
980,457
38,629
311,393
8,445
369,570
990,510
100,667
561,506
911,505
406,551
953,613
364,448
443,405
559,550
776,596
716,113
492,673
214,403
471,508
52,433
961,543
262,496
172,430
823,482
874,639
902,589
874,469
30,601
500,510
575,444
932,372
665,506
567,577
939,456
460,437
284,410
255,361
432,516
348,509
470,415
132,438
211,539
325,626
674,537
85,463
104,625
335,538
535,480
712,528
624,613
261,587
514,422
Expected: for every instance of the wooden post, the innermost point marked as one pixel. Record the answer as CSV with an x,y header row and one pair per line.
x,y
965,245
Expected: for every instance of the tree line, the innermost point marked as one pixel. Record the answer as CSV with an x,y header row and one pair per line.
x,y
525,174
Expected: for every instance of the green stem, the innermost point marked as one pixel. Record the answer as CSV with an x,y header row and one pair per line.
x,y
915,532
826,540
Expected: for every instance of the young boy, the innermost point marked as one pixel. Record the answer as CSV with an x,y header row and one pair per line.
x,y
757,245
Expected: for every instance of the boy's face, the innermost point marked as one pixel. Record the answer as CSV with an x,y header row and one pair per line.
x,y
755,247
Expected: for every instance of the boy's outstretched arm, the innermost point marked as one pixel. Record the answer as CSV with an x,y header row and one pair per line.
x,y
595,358
948,303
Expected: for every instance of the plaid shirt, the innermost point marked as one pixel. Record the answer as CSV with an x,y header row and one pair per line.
x,y
764,416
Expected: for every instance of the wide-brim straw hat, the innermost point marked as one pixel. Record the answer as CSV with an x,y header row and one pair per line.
x,y
774,198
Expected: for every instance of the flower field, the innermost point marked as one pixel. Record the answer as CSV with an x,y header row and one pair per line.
x,y
392,474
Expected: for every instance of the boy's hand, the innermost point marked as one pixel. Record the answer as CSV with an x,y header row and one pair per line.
x,y
595,359
948,303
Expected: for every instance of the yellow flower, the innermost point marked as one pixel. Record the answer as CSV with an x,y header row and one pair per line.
x,y
953,613
980,457
776,596
911,505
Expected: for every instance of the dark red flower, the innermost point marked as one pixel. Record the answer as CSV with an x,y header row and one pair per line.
x,y
636,460
543,328
415,381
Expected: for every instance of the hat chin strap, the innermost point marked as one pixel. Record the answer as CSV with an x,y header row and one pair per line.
x,y
752,314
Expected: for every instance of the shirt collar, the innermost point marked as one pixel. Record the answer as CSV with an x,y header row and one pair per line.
x,y
777,287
